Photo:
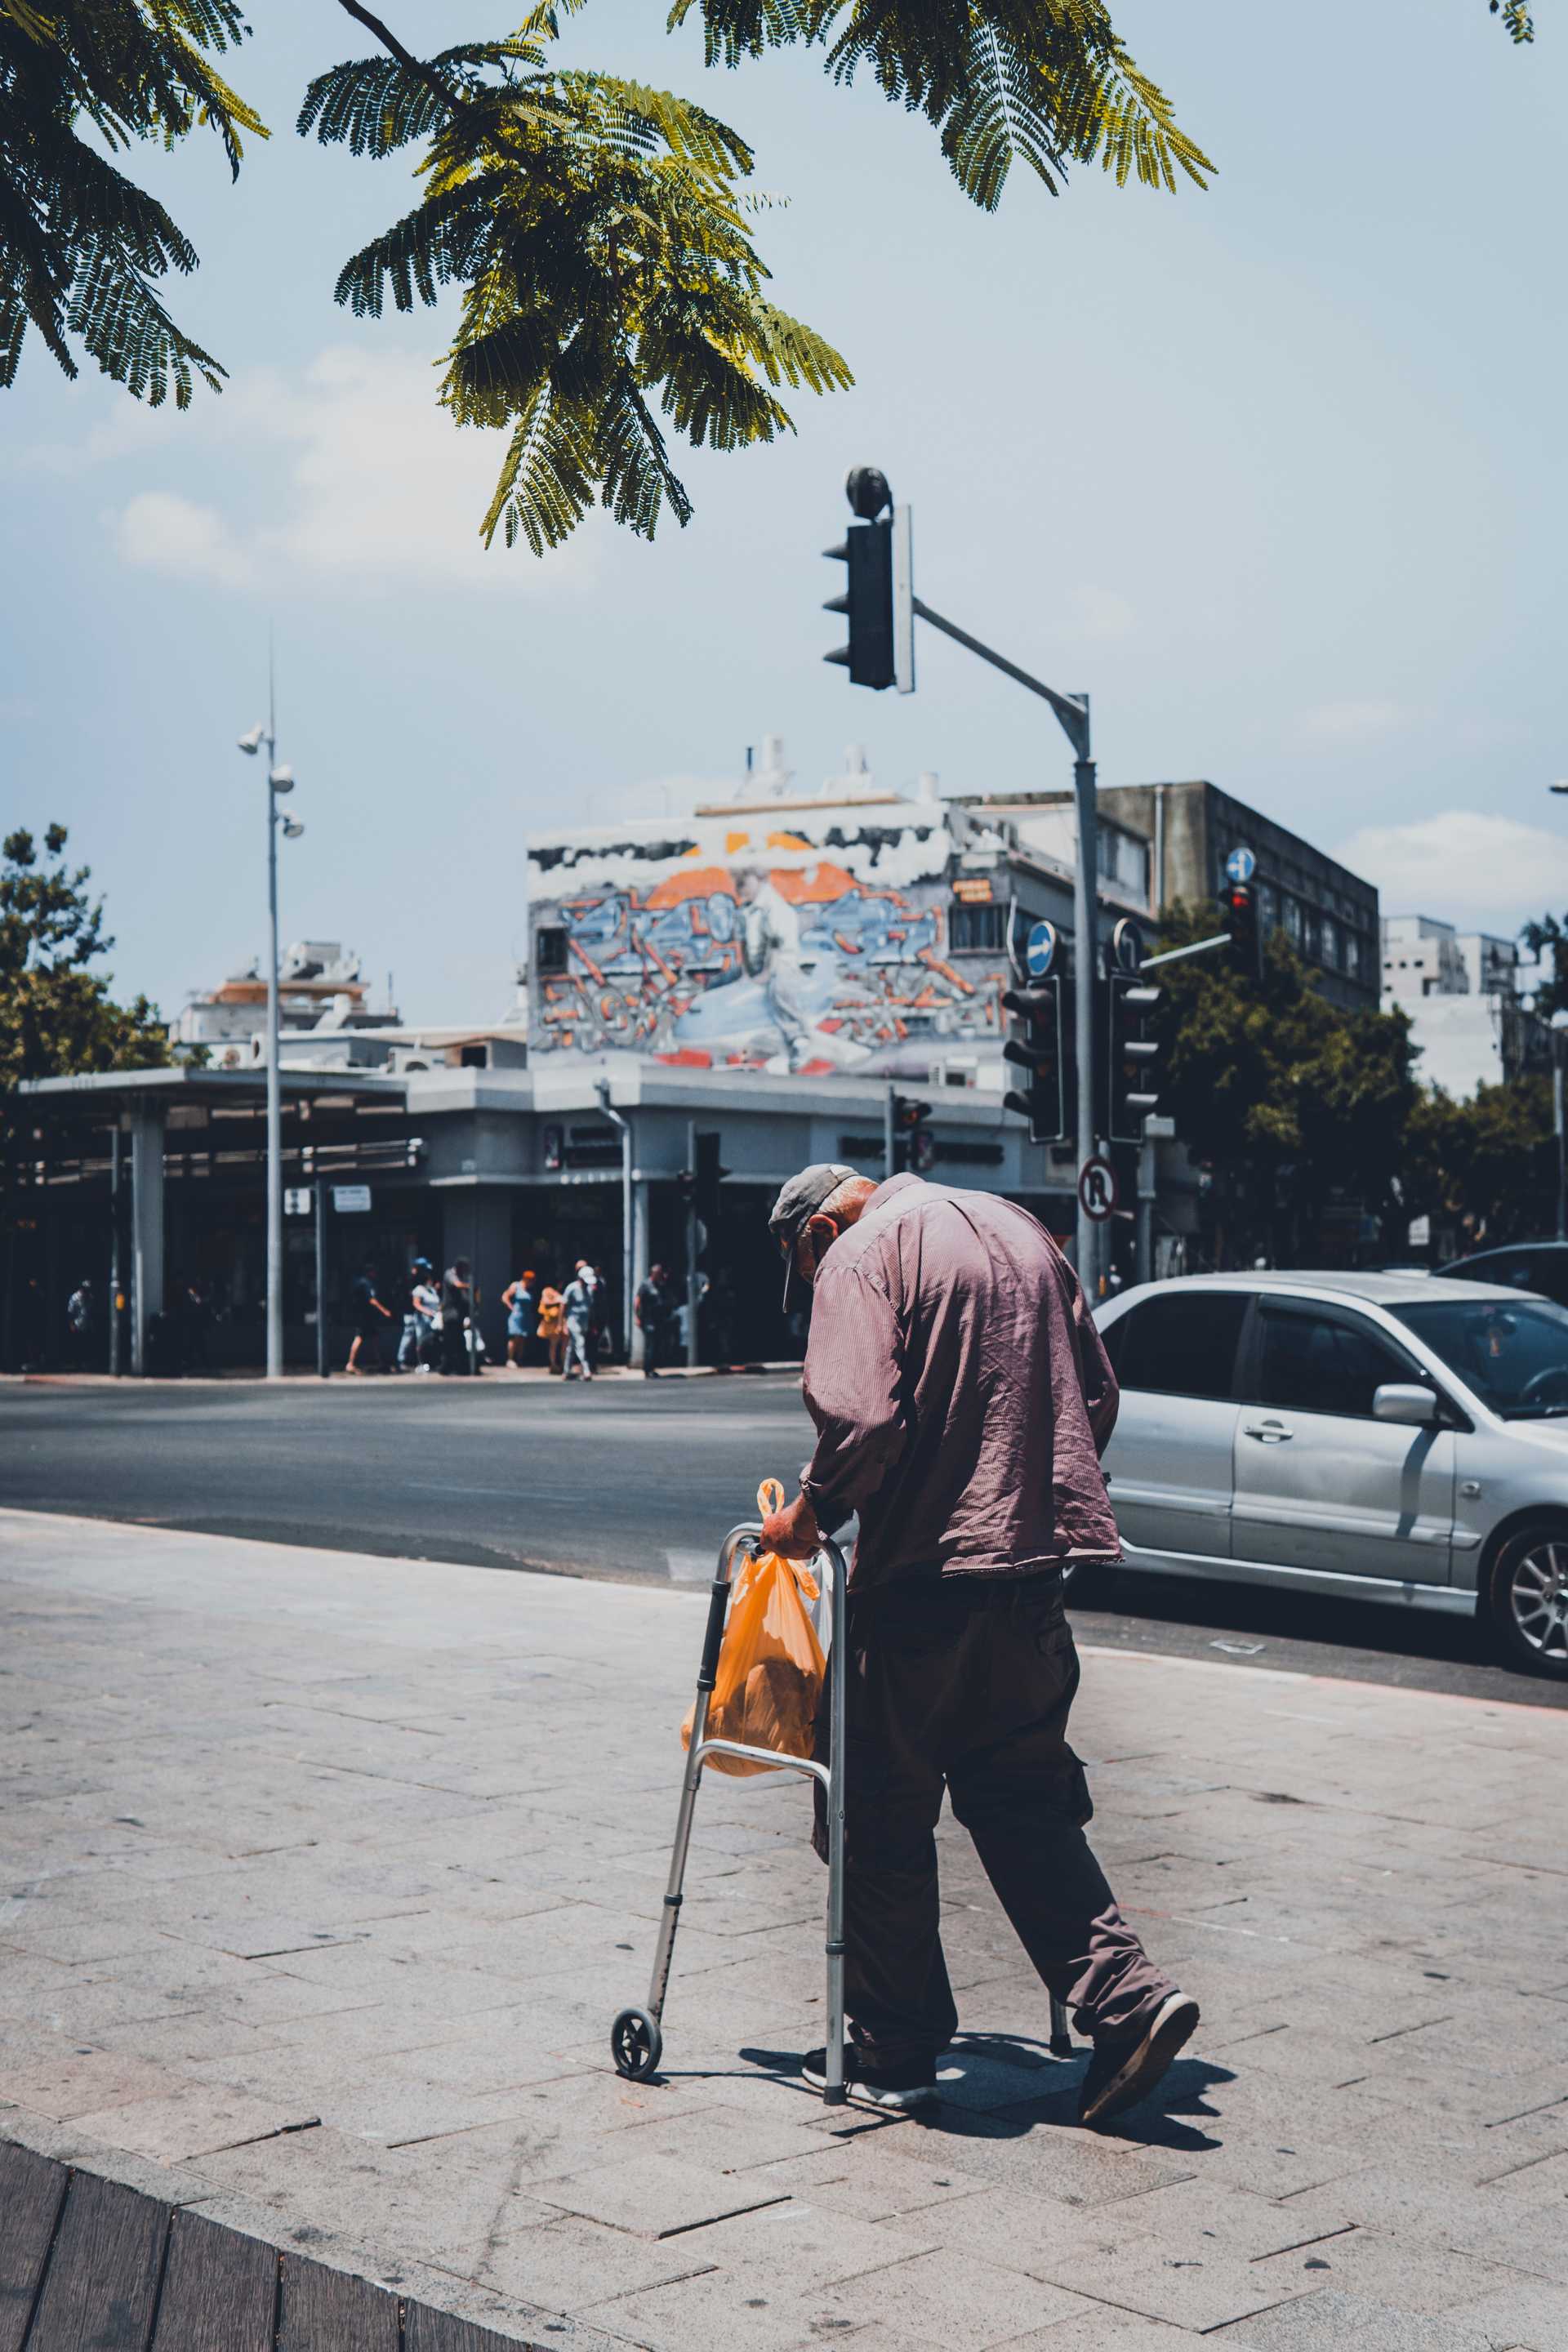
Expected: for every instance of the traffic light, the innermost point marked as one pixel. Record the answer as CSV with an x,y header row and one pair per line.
x,y
1238,912
1039,1045
706,1178
914,1145
1131,1092
867,600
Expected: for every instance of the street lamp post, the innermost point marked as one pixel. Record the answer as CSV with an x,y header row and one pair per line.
x,y
279,780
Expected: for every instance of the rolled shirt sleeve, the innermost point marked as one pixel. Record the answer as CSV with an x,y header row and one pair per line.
x,y
854,1392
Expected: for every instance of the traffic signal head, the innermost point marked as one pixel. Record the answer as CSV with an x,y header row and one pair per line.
x,y
1238,911
1131,1088
868,602
914,1146
1037,1044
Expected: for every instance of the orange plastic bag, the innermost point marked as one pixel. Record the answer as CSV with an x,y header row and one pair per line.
x,y
772,1665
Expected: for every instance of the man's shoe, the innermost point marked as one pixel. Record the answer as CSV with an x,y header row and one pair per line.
x,y
1121,2072
893,2089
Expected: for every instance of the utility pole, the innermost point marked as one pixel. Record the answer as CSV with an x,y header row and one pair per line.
x,y
323,1365
279,780
602,1088
693,1279
116,1252
890,1141
1557,1122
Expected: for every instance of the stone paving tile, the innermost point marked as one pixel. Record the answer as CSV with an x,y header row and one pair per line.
x,y
79,2080
811,2246
729,2139
1030,2233
872,2178
706,2314
654,2196
1207,2213
954,2300
193,2122
1102,2329
1525,2312
1192,2286
567,2263
1073,2167
1378,2269
1331,2322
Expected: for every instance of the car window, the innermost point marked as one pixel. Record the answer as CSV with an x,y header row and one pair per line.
x,y
1513,1269
1321,1363
1183,1344
1513,1352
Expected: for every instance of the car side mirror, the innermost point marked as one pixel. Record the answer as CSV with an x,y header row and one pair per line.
x,y
1407,1403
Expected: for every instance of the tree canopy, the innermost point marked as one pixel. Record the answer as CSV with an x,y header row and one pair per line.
x,y
57,1017
600,230
1287,1096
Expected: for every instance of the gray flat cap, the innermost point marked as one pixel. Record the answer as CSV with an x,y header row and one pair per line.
x,y
799,1200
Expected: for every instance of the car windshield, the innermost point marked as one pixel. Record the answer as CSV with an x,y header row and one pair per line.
x,y
1513,1352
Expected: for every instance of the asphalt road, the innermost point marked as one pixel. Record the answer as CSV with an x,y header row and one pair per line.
x,y
633,1481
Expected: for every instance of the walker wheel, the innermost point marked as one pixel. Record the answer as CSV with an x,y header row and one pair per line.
x,y
636,2044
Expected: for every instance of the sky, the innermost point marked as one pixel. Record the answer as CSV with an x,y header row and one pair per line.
x,y
1274,472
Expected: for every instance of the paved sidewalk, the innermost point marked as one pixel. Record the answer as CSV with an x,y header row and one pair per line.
x,y
324,1876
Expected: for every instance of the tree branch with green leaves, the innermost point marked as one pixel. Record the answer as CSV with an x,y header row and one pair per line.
x,y
612,294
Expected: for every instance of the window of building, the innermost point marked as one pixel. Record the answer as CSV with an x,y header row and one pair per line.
x,y
1268,905
1292,908
1331,949
550,948
971,929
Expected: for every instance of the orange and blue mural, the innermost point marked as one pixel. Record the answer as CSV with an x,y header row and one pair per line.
x,y
756,948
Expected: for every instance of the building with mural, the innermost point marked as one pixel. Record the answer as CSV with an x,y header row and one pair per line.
x,y
856,933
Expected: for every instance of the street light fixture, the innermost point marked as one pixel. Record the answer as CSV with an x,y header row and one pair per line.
x,y
279,781
1560,786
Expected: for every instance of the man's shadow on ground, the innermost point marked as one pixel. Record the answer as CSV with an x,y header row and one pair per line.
x,y
964,2110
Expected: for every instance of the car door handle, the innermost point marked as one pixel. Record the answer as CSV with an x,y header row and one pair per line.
x,y
1268,1432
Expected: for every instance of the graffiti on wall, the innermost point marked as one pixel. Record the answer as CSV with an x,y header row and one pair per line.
x,y
771,951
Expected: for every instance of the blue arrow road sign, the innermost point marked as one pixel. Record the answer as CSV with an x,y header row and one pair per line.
x,y
1040,954
1241,866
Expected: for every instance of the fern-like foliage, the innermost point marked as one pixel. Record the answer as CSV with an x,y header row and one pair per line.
x,y
1518,22
81,247
612,297
1044,82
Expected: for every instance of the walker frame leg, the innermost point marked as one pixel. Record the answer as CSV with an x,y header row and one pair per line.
x,y
637,2040
1061,2043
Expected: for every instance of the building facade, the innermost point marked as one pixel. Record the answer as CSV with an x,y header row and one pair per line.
x,y
1461,993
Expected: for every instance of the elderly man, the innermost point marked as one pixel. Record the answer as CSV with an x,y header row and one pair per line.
x,y
961,1399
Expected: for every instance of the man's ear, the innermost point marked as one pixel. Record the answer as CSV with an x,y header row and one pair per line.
x,y
824,1232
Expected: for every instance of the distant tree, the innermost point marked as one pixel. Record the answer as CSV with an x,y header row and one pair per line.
x,y
599,229
1547,940
1285,1097
57,1017
1486,1164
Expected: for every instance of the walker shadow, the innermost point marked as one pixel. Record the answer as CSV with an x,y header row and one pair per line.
x,y
1171,2118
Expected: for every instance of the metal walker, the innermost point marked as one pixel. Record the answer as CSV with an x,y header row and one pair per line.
x,y
636,2039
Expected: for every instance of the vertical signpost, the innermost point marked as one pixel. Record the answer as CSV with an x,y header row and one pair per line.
x,y
322,1364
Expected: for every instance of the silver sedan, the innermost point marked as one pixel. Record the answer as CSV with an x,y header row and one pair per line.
x,y
1384,1436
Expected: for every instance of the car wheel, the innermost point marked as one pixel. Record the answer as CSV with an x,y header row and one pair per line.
x,y
1526,1596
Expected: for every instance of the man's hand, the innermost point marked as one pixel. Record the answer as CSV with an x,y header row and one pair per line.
x,y
793,1532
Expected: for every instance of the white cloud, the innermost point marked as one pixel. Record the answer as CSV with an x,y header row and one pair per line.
x,y
1103,614
1462,864
161,531
1346,723
357,475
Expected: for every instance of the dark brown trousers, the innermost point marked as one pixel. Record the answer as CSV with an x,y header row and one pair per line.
x,y
965,1684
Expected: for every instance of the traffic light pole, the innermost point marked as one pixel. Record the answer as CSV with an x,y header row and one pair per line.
x,y
1072,712
693,1279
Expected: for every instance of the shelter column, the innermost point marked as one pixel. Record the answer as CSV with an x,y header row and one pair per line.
x,y
146,1225
639,1265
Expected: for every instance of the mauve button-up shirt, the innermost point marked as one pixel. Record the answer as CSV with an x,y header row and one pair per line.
x,y
961,1393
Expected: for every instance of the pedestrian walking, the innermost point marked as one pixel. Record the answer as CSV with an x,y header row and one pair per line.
x,y
521,1316
421,1319
81,1321
456,1307
961,1399
552,1327
369,1315
656,1312
580,1310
